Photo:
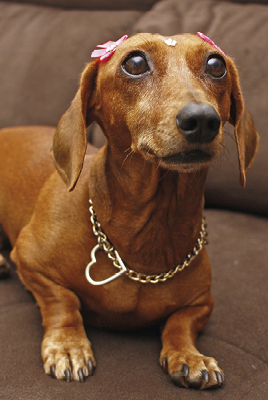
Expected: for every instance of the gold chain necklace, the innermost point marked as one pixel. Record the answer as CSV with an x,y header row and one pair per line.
x,y
107,247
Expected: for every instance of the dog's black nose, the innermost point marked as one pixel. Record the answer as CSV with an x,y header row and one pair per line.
x,y
199,123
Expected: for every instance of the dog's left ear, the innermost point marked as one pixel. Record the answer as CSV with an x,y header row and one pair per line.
x,y
247,138
70,141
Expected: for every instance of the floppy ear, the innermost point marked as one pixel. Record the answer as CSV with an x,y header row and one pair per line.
x,y
70,141
247,138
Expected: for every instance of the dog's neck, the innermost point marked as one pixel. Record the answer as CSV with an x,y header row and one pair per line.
x,y
142,207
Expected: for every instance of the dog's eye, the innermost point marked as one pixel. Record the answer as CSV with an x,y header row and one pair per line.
x,y
136,65
216,66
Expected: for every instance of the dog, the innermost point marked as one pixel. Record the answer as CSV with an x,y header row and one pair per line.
x,y
134,256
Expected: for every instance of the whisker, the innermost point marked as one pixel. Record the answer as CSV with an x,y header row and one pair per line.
x,y
129,154
144,165
225,152
217,164
229,133
167,171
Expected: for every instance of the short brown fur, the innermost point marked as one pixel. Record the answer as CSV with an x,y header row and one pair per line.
x,y
150,210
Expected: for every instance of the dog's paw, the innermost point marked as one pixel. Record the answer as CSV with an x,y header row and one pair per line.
x,y
193,370
67,355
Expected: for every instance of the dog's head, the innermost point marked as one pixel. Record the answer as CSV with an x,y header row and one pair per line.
x,y
166,99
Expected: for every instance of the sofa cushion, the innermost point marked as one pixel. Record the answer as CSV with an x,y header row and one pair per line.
x,y
247,43
43,52
248,1
127,362
141,5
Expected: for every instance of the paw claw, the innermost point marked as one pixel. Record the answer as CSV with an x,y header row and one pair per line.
x,y
219,379
185,369
53,371
165,365
205,375
67,374
178,378
90,368
81,375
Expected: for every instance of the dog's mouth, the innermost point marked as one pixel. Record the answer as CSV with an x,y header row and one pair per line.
x,y
188,160
187,157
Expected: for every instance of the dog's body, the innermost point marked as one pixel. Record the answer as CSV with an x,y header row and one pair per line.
x,y
146,185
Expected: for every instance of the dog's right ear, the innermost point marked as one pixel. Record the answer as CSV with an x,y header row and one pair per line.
x,y
70,141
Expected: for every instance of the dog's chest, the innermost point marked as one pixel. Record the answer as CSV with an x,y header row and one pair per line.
x,y
124,304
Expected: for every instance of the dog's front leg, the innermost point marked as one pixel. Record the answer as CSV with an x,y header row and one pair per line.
x,y
180,357
66,351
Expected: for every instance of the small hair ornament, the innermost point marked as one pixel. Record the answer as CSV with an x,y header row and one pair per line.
x,y
108,48
170,42
208,40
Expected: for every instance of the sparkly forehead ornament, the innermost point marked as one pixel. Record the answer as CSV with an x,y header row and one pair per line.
x,y
208,40
170,42
108,48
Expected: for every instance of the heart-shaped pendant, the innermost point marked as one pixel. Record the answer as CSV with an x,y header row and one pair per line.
x,y
93,261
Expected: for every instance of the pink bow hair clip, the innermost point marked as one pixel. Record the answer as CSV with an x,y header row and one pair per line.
x,y
108,48
208,40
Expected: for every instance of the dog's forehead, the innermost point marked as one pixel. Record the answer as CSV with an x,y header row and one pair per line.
x,y
152,42
148,39
167,53
170,47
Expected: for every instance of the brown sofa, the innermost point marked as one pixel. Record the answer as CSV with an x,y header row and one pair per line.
x,y
44,45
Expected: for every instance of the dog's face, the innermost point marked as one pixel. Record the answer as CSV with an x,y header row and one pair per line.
x,y
164,98
170,101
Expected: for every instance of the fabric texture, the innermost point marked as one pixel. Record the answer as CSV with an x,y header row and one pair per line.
x,y
141,5
43,53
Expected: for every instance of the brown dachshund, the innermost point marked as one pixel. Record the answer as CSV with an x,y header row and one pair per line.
x,y
161,103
